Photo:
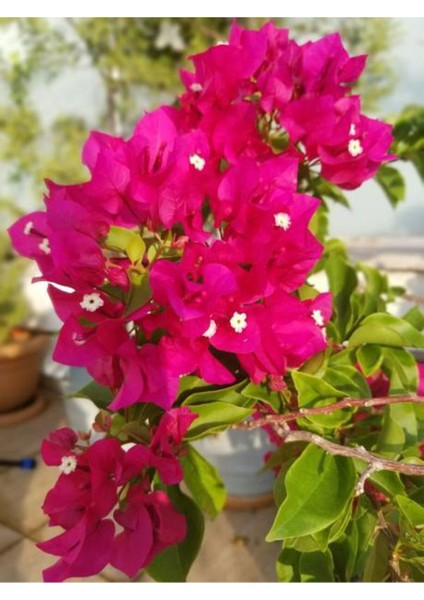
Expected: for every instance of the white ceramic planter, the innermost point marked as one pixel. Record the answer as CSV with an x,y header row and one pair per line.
x,y
238,456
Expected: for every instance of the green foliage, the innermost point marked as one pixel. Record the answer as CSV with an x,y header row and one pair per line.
x,y
13,305
392,184
409,137
319,487
173,564
203,481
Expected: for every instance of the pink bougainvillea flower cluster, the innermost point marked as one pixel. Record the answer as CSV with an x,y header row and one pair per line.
x,y
87,500
184,253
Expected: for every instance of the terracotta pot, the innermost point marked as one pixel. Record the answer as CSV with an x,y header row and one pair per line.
x,y
20,369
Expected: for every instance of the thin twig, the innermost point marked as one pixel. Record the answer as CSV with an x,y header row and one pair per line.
x,y
324,410
378,462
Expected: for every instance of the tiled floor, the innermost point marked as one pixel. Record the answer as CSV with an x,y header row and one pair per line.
x,y
233,549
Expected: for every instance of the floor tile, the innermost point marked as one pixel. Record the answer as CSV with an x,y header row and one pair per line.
x,y
234,549
22,494
24,440
24,562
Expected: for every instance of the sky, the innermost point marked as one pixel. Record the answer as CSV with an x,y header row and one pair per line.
x,y
79,92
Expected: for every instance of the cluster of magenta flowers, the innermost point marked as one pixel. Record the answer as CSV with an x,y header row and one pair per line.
x,y
184,252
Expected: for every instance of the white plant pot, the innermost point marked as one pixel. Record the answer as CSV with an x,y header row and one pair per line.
x,y
239,457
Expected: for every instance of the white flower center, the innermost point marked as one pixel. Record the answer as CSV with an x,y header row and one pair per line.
x,y
211,330
68,464
238,322
355,148
196,87
45,246
91,302
197,162
318,317
352,130
28,227
282,220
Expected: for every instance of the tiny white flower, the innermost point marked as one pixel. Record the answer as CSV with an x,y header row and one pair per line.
x,y
211,330
197,162
68,464
355,148
318,317
352,130
28,227
282,220
221,43
91,302
45,246
238,322
196,87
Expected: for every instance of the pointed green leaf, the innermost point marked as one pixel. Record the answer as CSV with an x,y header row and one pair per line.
x,y
370,358
203,481
413,511
316,567
319,487
214,417
99,394
387,330
392,183
135,249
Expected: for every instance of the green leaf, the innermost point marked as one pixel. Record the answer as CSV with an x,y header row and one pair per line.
x,y
415,317
315,392
214,417
316,567
174,563
343,281
230,394
203,481
140,294
387,330
135,249
413,511
99,394
312,389
399,430
370,358
366,523
188,383
295,566
119,237
287,565
325,189
264,394
392,183
348,380
377,565
388,482
319,486
401,368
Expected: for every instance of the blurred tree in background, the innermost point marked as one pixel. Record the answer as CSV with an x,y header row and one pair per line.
x,y
134,58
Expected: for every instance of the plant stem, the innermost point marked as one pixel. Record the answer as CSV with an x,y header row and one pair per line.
x,y
378,462
375,462
324,410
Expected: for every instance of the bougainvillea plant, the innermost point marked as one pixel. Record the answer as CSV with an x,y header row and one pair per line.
x,y
180,270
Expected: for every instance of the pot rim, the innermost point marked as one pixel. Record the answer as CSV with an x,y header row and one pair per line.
x,y
18,349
